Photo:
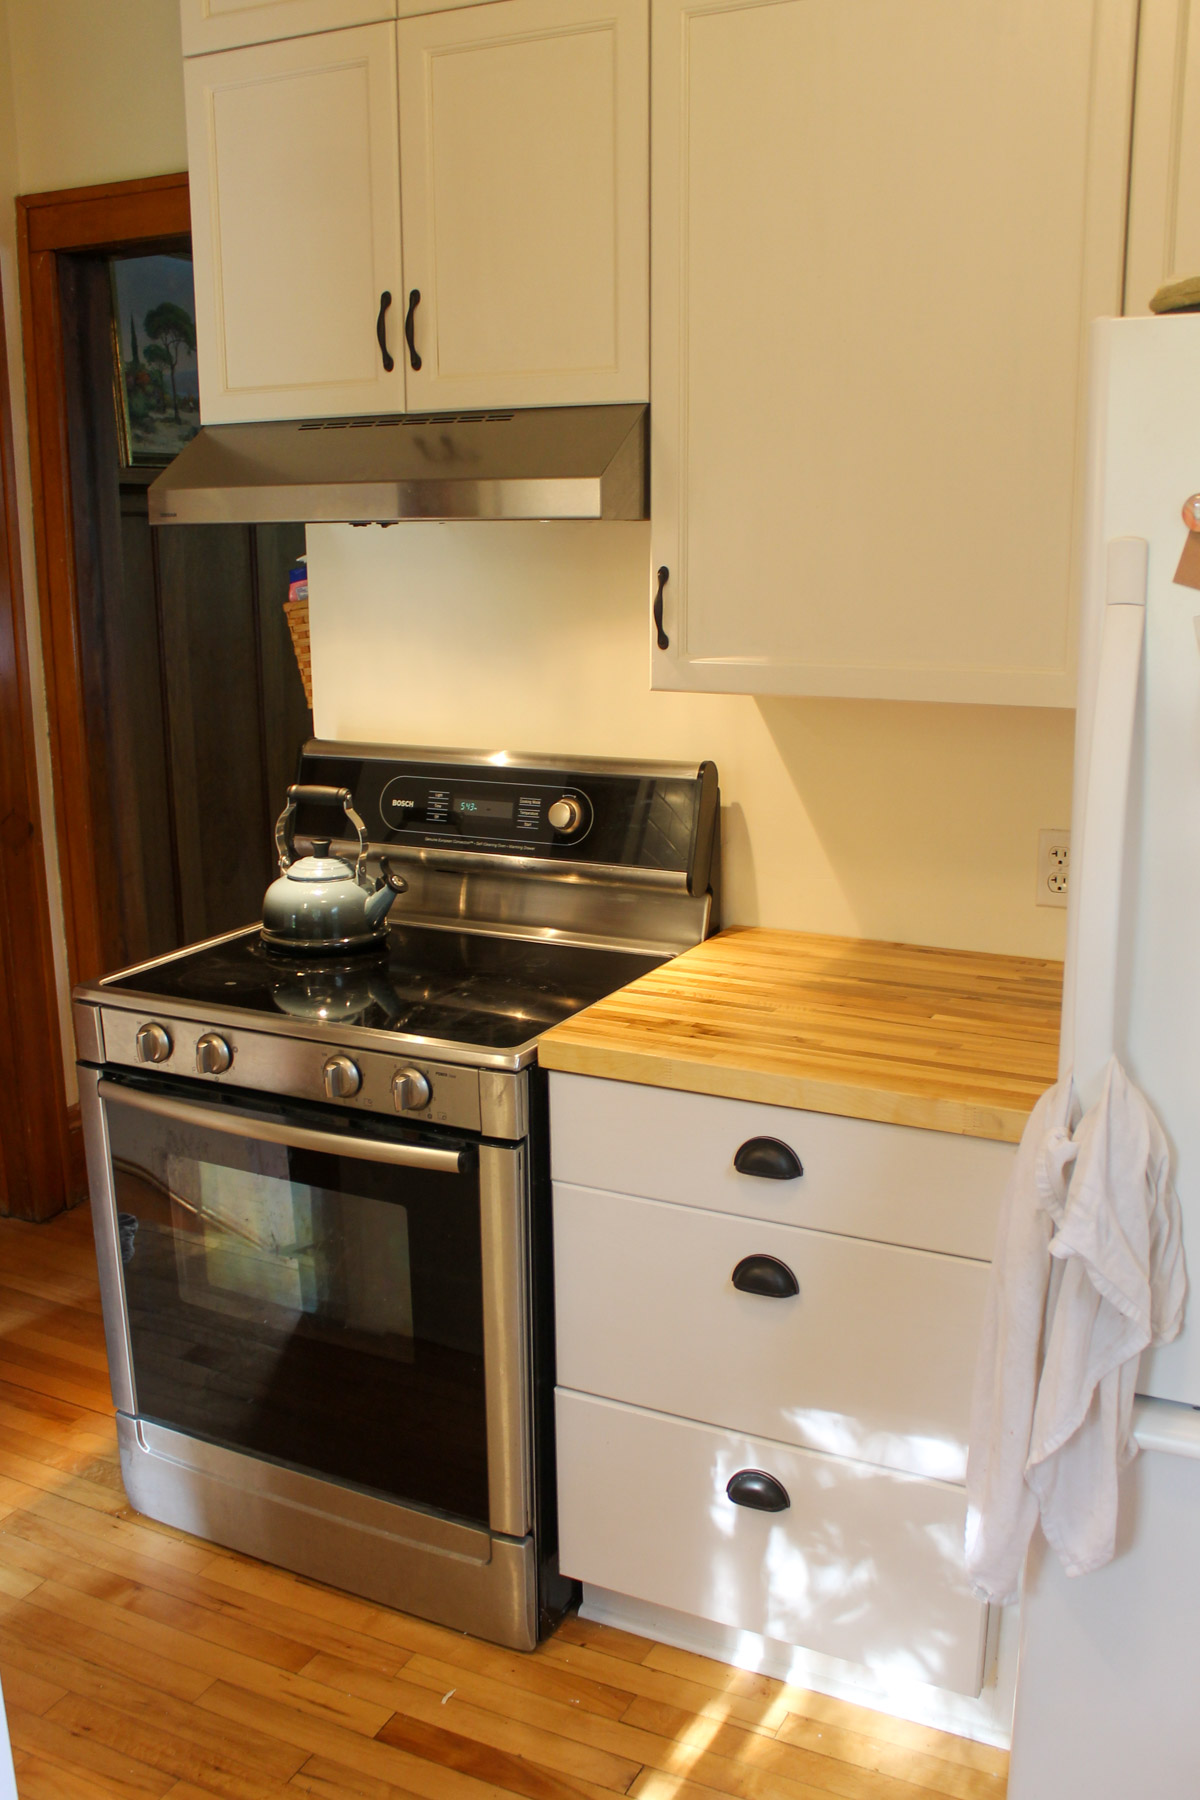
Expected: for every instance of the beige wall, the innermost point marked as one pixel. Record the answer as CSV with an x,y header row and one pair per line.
x,y
98,89
876,819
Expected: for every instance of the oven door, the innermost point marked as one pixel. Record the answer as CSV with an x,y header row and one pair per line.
x,y
342,1296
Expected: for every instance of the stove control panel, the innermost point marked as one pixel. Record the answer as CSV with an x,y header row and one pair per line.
x,y
390,1083
483,814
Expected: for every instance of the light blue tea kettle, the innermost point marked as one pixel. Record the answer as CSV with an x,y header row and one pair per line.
x,y
320,905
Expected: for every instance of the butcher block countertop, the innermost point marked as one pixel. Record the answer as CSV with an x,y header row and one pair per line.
x,y
948,1040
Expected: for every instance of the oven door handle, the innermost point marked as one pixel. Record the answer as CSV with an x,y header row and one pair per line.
x,y
329,1143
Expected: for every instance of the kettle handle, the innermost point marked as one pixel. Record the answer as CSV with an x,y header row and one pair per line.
x,y
299,794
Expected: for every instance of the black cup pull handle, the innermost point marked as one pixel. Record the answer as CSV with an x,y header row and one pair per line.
x,y
664,642
767,1276
756,1489
385,300
768,1158
414,300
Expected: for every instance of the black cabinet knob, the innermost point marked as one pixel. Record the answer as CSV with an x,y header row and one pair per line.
x,y
768,1158
765,1275
758,1490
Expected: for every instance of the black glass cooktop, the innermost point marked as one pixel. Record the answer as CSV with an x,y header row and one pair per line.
x,y
458,986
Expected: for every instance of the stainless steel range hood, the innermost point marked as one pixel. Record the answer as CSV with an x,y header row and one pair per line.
x,y
563,462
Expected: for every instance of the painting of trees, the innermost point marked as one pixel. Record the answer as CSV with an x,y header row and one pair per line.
x,y
170,331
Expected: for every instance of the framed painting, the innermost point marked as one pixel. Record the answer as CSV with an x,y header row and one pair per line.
x,y
154,348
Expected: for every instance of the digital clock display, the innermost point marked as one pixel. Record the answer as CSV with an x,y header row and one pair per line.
x,y
469,807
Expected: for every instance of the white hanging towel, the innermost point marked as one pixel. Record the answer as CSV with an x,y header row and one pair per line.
x,y
1088,1272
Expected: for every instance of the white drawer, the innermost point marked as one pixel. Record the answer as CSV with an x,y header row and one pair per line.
x,y
873,1358
932,1190
864,1564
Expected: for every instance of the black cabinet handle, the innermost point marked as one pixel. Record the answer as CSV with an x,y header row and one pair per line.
x,y
385,300
414,300
769,1158
767,1276
756,1489
664,642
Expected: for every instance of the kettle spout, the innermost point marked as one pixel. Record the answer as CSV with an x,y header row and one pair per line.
x,y
379,903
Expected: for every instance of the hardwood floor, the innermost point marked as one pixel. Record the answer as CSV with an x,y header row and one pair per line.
x,y
137,1661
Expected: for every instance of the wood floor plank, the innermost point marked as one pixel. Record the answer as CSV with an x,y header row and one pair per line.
x,y
159,1749
57,1481
456,1713
263,1758
606,1638
50,1375
656,1684
327,1780
16,1582
41,1780
367,1756
942,1775
824,1709
207,1659
71,1459
49,1630
31,1692
521,1775
55,1742
294,1636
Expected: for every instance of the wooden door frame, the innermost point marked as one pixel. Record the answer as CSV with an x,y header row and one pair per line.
x,y
116,216
38,1174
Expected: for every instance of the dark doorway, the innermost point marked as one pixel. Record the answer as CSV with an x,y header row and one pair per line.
x,y
191,699
176,706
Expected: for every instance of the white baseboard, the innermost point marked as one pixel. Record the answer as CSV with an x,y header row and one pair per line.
x,y
987,1719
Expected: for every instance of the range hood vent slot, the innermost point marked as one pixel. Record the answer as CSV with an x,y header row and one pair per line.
x,y
465,418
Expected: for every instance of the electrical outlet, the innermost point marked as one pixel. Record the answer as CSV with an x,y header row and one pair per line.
x,y
1053,867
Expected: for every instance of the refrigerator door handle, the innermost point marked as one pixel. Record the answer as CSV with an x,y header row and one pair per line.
x,y
1089,1036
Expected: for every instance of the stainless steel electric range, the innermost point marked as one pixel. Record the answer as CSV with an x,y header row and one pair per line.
x,y
321,1184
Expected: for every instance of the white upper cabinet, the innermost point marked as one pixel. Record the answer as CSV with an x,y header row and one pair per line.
x,y
1164,200
524,136
295,199
880,228
224,24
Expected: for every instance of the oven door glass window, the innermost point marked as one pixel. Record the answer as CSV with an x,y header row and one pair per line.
x,y
321,1310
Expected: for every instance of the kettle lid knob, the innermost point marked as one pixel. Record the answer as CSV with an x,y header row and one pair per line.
x,y
320,847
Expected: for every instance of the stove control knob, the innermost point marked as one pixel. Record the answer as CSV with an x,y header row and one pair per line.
x,y
566,815
342,1077
153,1043
213,1055
411,1090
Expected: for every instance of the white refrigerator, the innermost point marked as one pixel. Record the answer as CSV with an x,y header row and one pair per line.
x,y
1108,1683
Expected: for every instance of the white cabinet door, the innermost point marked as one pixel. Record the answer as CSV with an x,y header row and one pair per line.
x,y
869,1351
1164,197
524,144
879,230
930,1190
224,24
859,1563
296,225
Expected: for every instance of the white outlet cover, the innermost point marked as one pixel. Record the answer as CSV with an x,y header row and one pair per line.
x,y
1053,866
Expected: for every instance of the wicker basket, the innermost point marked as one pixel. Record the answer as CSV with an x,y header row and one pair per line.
x,y
296,612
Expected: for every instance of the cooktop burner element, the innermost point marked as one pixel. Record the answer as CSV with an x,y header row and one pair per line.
x,y
453,987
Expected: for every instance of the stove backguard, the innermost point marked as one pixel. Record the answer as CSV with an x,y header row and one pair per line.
x,y
603,851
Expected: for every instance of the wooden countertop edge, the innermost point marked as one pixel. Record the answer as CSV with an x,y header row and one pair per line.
x,y
1003,1124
